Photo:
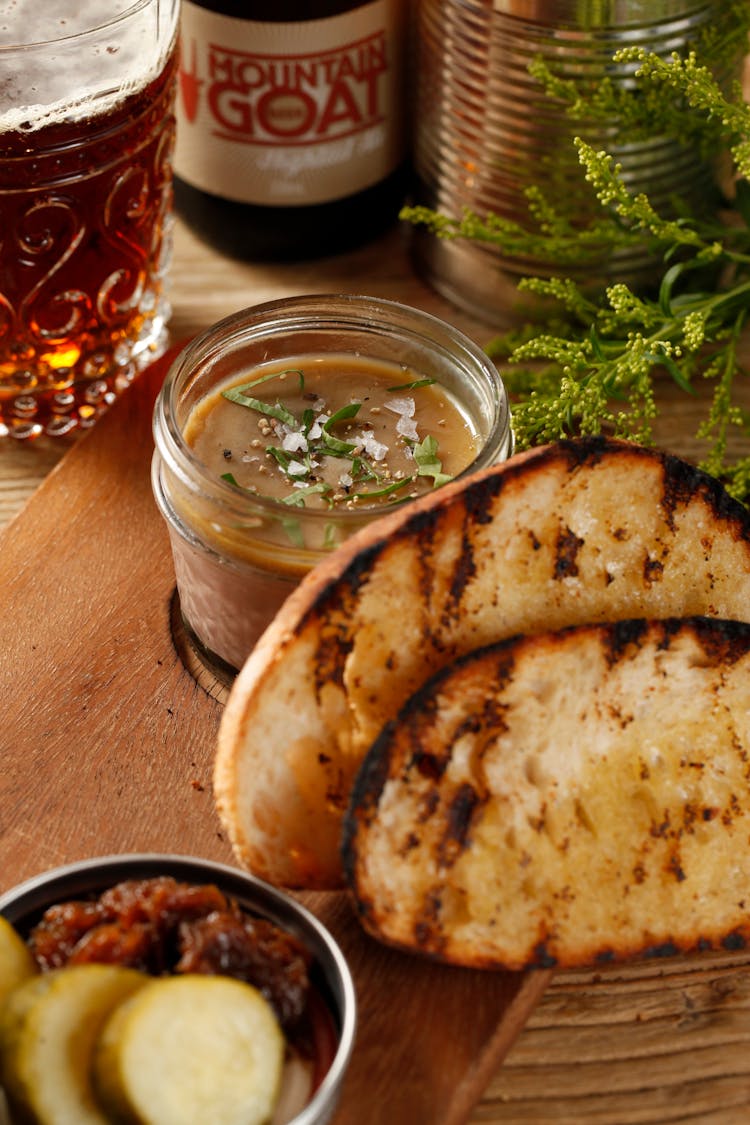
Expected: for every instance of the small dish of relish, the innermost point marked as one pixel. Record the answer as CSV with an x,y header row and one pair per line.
x,y
167,989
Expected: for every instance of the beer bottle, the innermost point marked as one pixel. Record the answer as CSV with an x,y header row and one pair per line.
x,y
291,124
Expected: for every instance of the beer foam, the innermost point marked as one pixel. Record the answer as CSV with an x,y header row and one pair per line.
x,y
54,66
27,21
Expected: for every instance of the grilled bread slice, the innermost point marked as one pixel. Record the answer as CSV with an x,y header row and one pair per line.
x,y
578,532
564,798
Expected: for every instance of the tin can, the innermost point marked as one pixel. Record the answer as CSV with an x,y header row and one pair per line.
x,y
486,130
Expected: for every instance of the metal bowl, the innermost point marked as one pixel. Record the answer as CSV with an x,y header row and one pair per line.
x,y
24,904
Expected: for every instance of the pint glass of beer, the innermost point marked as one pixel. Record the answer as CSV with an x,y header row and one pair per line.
x,y
86,137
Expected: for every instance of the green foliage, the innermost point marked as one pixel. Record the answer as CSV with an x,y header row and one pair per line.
x,y
593,364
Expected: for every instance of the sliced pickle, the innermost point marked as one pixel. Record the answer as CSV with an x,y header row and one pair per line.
x,y
190,1049
48,1027
16,961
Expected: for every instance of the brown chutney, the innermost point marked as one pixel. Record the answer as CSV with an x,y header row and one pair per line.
x,y
333,431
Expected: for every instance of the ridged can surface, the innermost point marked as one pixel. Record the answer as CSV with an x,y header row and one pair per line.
x,y
485,129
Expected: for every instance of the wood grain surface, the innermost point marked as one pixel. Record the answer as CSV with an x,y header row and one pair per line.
x,y
107,746
107,740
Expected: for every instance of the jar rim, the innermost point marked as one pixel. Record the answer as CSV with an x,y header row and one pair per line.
x,y
375,315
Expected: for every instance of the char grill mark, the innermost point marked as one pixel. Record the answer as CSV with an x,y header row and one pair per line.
x,y
722,641
463,572
459,817
332,613
584,451
683,481
653,571
621,636
566,554
425,531
330,656
542,958
427,931
477,509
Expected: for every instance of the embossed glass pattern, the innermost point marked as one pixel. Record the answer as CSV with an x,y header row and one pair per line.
x,y
86,137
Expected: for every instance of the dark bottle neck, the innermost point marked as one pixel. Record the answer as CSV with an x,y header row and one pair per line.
x,y
281,11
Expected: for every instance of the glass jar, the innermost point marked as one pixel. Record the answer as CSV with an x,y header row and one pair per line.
x,y
238,555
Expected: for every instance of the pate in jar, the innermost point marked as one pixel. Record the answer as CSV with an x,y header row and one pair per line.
x,y
286,427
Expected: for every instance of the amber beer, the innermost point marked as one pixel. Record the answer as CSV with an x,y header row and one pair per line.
x,y
85,200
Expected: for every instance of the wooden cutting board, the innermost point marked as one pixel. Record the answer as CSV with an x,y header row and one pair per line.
x,y
107,746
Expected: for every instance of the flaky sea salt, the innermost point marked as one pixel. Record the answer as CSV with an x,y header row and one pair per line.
x,y
372,447
294,442
405,408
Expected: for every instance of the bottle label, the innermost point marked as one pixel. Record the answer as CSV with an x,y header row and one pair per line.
x,y
290,114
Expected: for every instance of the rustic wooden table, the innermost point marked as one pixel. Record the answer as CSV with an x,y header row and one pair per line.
x,y
658,1043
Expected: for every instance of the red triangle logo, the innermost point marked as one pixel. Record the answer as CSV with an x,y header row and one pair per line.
x,y
190,84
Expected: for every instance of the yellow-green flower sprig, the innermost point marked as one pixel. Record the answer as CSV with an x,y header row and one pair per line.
x,y
592,363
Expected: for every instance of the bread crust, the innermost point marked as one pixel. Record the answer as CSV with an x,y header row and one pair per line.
x,y
588,530
563,799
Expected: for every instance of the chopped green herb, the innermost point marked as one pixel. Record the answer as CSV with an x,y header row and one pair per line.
x,y
271,410
293,531
297,498
280,456
362,470
301,465
333,447
349,411
394,486
333,444
428,462
411,386
265,379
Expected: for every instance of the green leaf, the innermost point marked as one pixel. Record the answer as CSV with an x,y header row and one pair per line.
x,y
293,530
275,410
411,386
595,363
349,411
281,456
742,200
297,498
386,490
267,379
333,445
428,462
667,284
362,469
676,372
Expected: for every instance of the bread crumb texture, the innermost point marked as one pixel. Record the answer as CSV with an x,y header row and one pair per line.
x,y
580,532
565,798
